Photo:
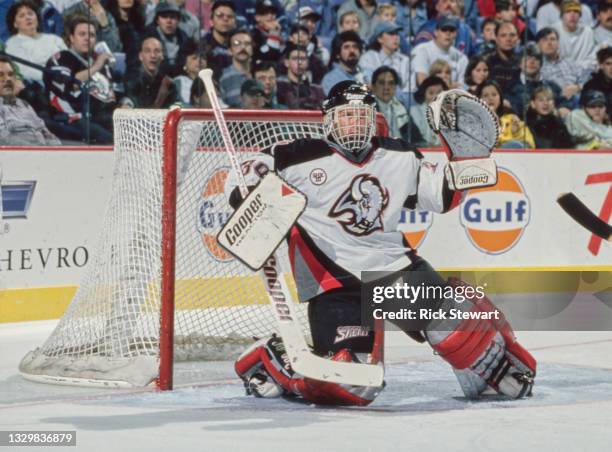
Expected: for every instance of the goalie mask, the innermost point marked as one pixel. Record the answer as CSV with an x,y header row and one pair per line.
x,y
350,117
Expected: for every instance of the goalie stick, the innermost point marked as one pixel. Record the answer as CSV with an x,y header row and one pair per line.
x,y
302,359
584,216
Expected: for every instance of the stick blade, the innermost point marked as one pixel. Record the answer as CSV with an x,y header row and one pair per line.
x,y
304,362
576,209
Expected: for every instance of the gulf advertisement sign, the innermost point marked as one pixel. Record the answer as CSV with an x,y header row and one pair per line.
x,y
415,224
494,218
213,212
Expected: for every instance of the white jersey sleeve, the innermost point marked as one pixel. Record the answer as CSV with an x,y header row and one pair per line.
x,y
430,190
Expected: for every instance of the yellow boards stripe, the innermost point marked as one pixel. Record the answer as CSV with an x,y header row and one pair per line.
x,y
42,303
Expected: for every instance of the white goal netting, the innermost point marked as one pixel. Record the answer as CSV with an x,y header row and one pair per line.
x,y
110,333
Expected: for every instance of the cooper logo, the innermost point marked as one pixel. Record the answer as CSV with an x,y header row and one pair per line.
x,y
354,96
318,176
482,178
242,223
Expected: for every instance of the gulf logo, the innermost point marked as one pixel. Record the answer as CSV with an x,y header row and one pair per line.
x,y
415,224
213,212
495,218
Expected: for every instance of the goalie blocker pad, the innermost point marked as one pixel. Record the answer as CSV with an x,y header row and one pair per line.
x,y
259,225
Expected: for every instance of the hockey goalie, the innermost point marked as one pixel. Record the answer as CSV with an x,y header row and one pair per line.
x,y
356,185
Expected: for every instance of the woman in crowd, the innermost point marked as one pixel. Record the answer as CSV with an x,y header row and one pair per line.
x,y
427,91
548,128
384,84
195,61
27,41
589,125
476,72
514,132
130,18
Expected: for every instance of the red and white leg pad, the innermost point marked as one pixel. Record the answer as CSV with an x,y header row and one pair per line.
x,y
485,350
264,367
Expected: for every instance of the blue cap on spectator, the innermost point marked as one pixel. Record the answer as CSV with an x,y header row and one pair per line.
x,y
447,22
166,7
384,27
252,87
592,97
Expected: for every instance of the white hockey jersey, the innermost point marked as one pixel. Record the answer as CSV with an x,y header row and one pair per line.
x,y
353,209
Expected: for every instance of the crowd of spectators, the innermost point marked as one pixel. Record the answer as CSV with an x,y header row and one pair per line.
x,y
543,66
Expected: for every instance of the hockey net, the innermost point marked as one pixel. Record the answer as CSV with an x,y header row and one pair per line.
x,y
110,335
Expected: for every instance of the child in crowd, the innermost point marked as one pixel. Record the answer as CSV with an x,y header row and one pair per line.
x,y
514,133
548,128
349,21
486,41
309,18
589,125
428,90
388,13
299,35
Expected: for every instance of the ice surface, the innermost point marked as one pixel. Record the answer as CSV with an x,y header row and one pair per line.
x,y
421,409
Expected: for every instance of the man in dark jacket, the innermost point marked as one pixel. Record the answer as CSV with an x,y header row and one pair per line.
x,y
79,83
150,87
174,41
223,20
295,90
602,79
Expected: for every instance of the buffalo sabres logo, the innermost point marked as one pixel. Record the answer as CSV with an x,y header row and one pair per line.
x,y
359,209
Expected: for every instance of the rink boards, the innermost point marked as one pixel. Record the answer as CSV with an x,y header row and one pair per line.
x,y
54,201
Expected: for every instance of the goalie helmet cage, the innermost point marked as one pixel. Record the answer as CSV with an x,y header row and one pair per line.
x,y
159,288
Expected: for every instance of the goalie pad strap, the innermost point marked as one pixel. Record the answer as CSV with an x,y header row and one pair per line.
x,y
462,347
504,328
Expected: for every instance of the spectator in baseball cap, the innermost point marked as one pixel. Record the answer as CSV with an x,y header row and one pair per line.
x,y
174,41
267,37
576,41
590,125
602,79
384,51
253,95
318,44
548,15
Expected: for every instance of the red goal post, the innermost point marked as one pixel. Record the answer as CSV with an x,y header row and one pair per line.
x,y
159,288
